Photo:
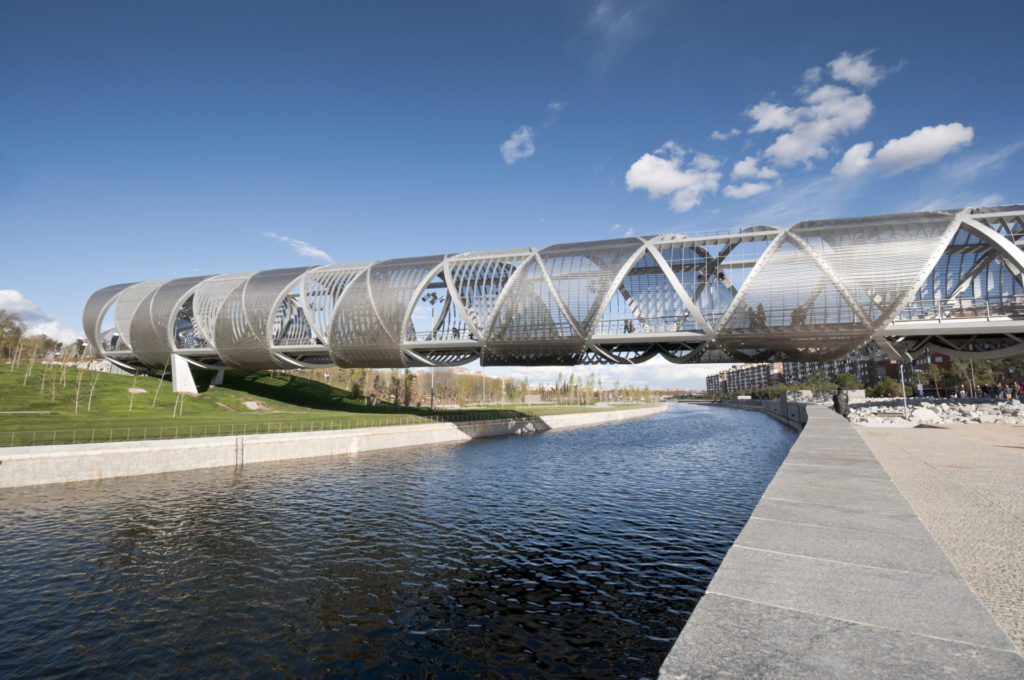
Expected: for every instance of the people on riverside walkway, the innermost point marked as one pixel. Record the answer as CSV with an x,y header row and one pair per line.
x,y
841,402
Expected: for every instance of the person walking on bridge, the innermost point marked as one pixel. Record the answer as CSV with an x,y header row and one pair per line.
x,y
841,402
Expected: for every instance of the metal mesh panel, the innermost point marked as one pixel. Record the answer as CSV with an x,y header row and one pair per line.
x,y
128,303
973,277
92,315
812,291
528,326
583,272
244,321
646,293
185,332
478,279
156,316
320,289
370,316
209,297
555,301
290,325
828,286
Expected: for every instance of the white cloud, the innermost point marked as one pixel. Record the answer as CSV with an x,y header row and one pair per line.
x,y
300,247
36,320
629,232
616,227
990,199
616,22
811,77
556,106
922,146
722,136
855,161
518,146
703,161
746,190
821,197
768,116
962,202
830,111
670,148
748,168
661,176
856,69
971,167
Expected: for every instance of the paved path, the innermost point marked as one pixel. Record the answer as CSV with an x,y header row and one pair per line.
x,y
834,576
966,483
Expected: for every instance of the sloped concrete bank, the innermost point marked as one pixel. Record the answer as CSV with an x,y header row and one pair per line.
x,y
31,465
835,576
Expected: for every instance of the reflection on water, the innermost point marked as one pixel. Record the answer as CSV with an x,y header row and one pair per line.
x,y
568,554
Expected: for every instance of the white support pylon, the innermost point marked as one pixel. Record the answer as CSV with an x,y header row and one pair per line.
x,y
181,376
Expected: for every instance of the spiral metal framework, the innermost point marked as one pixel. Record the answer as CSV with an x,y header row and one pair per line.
x,y
813,291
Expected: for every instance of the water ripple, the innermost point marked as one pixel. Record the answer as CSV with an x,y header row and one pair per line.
x,y
570,554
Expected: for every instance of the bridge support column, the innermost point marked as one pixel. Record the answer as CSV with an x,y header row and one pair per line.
x,y
219,378
181,376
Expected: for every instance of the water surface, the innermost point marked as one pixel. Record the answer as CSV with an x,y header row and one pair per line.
x,y
569,554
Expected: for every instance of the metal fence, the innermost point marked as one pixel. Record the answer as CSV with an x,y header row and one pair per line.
x,y
102,435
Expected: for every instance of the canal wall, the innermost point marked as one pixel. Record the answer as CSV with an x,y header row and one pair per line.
x,y
31,465
793,415
835,576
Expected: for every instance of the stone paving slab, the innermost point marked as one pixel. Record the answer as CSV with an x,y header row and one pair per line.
x,y
899,600
886,502
855,468
867,548
830,477
730,638
835,576
902,523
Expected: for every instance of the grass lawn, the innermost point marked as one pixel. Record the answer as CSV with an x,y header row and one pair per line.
x,y
39,408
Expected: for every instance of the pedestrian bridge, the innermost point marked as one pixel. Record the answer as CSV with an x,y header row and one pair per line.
x,y
817,290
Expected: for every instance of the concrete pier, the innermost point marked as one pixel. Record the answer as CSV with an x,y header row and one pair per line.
x,y
30,465
835,576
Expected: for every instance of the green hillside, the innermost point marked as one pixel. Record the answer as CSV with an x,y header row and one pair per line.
x,y
38,405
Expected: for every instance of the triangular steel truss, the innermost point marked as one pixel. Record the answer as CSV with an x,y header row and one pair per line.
x,y
817,290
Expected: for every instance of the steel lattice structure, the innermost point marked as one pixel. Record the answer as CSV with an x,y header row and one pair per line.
x,y
813,291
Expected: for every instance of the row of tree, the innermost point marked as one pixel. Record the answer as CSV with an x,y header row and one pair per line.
x,y
457,387
18,347
977,376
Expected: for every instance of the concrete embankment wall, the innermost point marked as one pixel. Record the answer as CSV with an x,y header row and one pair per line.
x,y
835,576
30,465
792,414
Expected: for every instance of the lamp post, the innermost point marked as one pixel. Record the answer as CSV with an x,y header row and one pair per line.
x,y
903,390
432,298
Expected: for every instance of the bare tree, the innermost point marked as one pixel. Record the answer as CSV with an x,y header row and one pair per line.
x,y
95,377
78,388
159,385
42,385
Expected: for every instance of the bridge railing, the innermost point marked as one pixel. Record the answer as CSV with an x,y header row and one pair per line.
x,y
962,308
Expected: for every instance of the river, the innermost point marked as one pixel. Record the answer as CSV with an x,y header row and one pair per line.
x,y
569,554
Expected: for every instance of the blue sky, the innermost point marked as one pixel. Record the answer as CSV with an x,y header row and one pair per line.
x,y
155,140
